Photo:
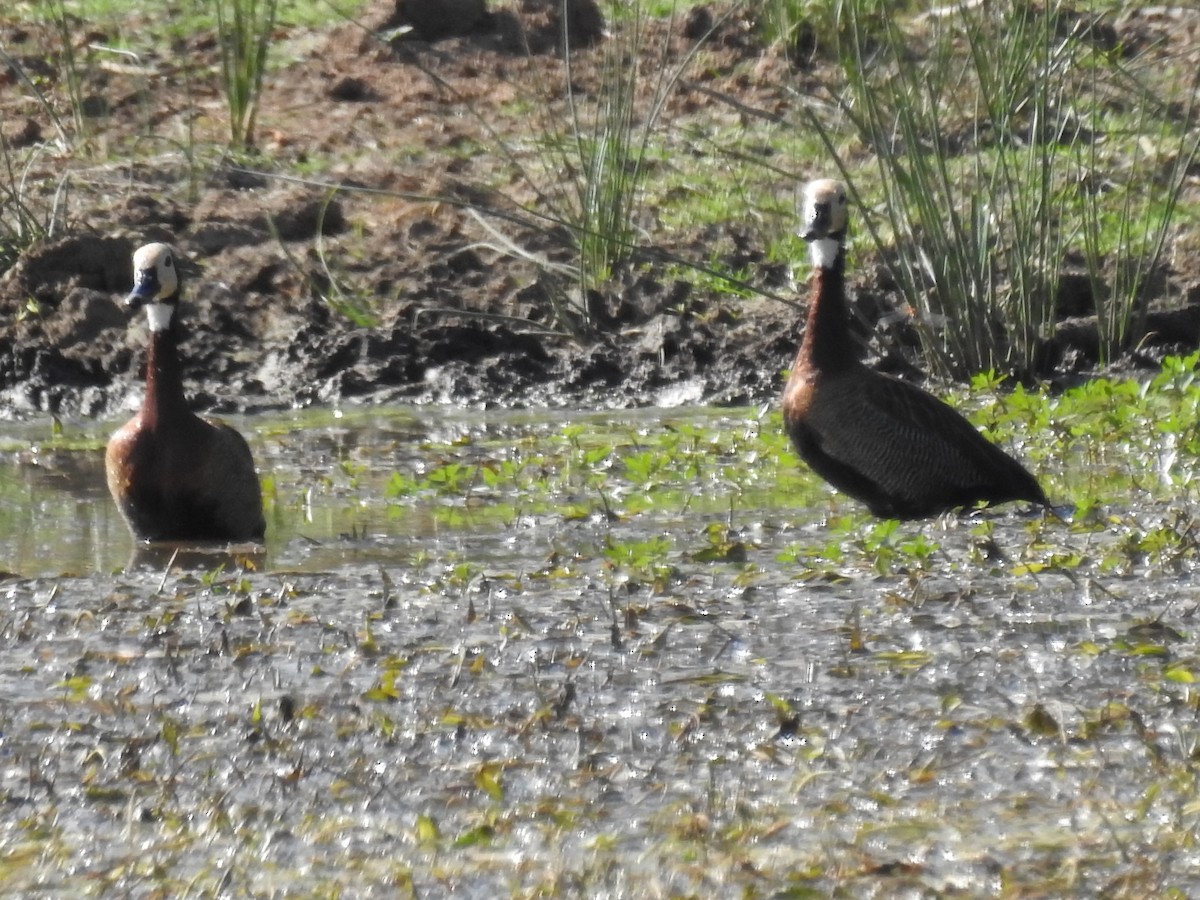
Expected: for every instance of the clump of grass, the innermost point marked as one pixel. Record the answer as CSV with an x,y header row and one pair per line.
x,y
1126,225
25,221
983,144
70,73
591,165
601,149
805,27
609,153
27,216
976,253
244,30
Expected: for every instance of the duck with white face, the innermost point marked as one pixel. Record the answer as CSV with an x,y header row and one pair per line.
x,y
825,220
155,285
174,475
885,442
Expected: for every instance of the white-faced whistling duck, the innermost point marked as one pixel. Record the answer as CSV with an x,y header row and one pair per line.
x,y
174,475
885,442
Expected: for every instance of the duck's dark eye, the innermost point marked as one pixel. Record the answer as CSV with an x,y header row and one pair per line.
x,y
167,261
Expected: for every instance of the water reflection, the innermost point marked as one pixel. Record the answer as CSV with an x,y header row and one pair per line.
x,y
325,479
165,556
56,515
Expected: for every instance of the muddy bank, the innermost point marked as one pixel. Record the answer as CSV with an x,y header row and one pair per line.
x,y
257,341
391,289
74,352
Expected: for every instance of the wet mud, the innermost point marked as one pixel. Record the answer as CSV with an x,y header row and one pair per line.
x,y
389,290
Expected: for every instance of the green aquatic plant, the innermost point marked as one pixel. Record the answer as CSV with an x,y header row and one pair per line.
x,y
895,548
452,478
643,561
722,544
385,689
521,672
641,468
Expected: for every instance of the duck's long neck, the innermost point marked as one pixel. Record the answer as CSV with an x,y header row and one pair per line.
x,y
827,345
164,401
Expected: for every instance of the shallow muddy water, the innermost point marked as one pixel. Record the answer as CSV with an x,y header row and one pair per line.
x,y
623,654
326,478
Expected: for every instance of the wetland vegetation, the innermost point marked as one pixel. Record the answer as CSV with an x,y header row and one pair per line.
x,y
641,653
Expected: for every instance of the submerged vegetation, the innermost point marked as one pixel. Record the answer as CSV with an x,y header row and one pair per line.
x,y
645,653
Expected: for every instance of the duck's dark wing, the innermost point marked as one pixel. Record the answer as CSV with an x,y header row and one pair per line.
x,y
236,494
902,451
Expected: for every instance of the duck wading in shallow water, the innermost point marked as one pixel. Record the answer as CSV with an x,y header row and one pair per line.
x,y
898,449
174,475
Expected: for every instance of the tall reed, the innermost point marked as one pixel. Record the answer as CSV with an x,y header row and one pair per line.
x,y
591,165
983,122
1133,207
244,32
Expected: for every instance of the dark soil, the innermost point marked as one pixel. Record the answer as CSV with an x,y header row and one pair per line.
x,y
449,320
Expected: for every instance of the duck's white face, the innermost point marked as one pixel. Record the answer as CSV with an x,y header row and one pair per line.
x,y
824,217
155,284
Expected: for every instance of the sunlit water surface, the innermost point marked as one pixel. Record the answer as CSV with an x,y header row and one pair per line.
x,y
609,681
326,477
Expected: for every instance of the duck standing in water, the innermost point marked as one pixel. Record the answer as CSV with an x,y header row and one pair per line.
x,y
898,449
174,475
